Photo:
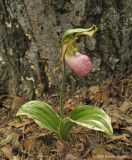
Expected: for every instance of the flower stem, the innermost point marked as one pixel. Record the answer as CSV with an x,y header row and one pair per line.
x,y
62,89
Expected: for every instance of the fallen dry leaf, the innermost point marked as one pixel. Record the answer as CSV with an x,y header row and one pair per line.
x,y
117,116
126,106
55,95
17,103
7,102
16,145
40,153
105,98
101,154
29,143
94,89
25,122
79,146
7,131
71,157
64,150
7,151
115,126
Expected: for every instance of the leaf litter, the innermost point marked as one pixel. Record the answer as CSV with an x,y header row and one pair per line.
x,y
28,141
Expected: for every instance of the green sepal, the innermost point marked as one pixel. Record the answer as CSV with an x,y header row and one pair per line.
x,y
79,30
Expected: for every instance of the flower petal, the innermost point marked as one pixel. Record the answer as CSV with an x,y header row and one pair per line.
x,y
79,63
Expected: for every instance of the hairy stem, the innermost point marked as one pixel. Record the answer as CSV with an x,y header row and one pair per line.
x,y
62,89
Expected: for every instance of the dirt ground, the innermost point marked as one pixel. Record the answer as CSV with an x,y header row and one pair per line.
x,y
28,141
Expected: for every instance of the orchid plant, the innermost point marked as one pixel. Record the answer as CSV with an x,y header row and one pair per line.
x,y
88,116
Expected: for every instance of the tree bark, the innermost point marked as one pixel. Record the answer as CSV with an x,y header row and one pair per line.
x,y
17,74
30,39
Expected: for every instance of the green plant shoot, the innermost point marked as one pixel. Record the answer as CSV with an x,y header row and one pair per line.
x,y
88,116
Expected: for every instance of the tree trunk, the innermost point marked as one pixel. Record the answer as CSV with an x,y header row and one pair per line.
x,y
30,39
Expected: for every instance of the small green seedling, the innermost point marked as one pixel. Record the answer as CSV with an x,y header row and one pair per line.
x,y
88,116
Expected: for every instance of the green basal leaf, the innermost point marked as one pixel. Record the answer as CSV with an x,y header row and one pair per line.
x,y
77,30
43,114
65,126
92,117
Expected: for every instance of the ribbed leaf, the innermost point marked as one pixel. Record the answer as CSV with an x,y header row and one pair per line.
x,y
93,118
43,114
65,126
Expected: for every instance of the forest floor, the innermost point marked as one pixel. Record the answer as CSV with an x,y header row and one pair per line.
x,y
28,141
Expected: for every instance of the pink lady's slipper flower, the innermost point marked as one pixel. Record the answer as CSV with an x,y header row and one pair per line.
x,y
79,63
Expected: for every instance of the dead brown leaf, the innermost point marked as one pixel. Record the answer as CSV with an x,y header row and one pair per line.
x,y
94,89
7,151
126,106
79,146
55,95
7,102
64,150
116,114
105,98
71,157
17,103
25,122
115,126
7,131
102,154
40,153
29,143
